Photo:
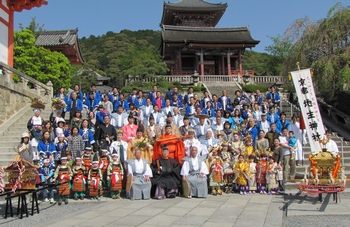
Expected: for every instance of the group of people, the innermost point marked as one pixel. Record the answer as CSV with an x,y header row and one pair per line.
x,y
143,144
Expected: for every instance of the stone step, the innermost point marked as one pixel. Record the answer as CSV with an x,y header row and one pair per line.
x,y
8,143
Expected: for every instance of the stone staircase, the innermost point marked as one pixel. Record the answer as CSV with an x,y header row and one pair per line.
x,y
217,87
12,135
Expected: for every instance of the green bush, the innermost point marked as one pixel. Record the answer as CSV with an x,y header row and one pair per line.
x,y
253,87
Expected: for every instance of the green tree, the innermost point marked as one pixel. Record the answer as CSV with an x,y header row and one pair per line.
x,y
39,63
36,28
84,78
324,46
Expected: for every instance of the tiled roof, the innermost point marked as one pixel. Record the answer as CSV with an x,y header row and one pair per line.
x,y
182,34
195,4
57,38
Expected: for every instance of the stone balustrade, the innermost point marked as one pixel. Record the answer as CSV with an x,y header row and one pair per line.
x,y
16,96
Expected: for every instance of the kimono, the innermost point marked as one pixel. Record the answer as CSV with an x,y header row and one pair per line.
x,y
252,183
147,151
261,168
129,132
242,175
79,181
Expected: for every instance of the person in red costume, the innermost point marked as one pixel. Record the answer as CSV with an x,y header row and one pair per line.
x,y
175,145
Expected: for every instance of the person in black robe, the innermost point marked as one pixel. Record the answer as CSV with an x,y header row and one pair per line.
x,y
166,176
106,133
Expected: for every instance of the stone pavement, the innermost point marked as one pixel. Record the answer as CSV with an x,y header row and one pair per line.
x,y
226,210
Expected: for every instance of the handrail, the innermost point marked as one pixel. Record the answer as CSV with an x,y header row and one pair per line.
x,y
5,67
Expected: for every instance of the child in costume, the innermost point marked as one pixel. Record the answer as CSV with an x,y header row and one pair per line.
x,y
46,173
252,168
94,180
61,147
216,180
228,166
87,158
70,161
104,161
79,179
249,149
115,176
272,185
242,175
63,175
261,168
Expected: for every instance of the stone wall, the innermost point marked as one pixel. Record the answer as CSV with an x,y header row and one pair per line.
x,y
10,103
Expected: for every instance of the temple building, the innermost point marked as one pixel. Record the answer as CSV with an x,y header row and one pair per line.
x,y
64,41
191,42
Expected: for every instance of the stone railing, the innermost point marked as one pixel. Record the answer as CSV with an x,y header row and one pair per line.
x,y
190,79
16,96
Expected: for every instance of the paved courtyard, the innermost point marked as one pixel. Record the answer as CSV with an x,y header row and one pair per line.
x,y
226,210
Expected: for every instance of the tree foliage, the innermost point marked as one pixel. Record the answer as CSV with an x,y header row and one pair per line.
x,y
39,63
259,62
36,28
324,46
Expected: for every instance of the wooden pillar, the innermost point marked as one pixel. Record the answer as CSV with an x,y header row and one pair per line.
x,y
240,62
197,64
228,62
202,63
222,65
10,38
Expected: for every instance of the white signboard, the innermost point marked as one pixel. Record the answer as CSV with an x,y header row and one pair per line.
x,y
309,107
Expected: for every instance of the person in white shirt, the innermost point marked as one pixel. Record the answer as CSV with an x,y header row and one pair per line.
x,y
288,158
141,173
194,172
192,141
120,146
331,145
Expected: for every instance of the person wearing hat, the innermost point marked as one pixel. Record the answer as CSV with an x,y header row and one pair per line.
x,y
25,149
46,173
261,168
158,116
129,130
115,173
166,175
79,179
61,147
63,175
242,175
186,126
141,142
34,126
174,144
174,129
192,141
201,128
59,127
94,180
87,158
227,165
263,124
152,131
104,161
195,171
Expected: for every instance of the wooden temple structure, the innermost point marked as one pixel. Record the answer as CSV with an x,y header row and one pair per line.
x,y
64,41
191,42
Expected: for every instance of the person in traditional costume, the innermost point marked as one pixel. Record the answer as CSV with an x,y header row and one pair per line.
x,y
252,168
152,131
59,129
115,173
166,175
242,175
228,165
87,158
174,144
142,143
271,177
120,146
228,135
106,133
61,147
86,134
94,179
261,168
46,173
63,175
249,149
79,179
261,142
139,174
129,130
194,172
209,139
216,179
46,148
25,149
192,141
186,126
104,161
174,129
237,145
202,128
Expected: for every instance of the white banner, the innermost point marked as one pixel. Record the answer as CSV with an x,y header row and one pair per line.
x,y
309,108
